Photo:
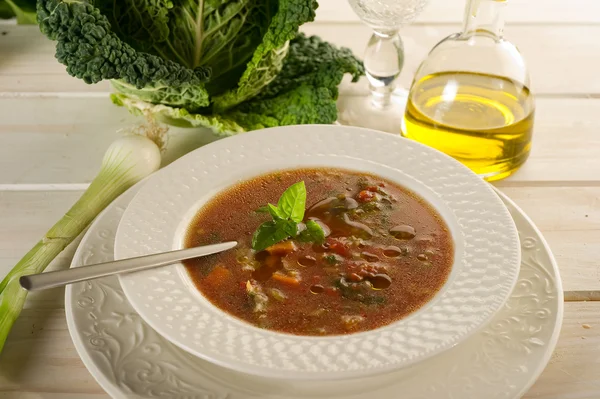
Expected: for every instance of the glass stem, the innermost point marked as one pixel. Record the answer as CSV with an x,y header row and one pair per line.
x,y
484,16
384,58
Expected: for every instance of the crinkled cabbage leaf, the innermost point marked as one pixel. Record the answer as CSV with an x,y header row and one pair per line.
x,y
231,65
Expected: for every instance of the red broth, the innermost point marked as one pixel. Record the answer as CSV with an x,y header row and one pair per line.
x,y
388,253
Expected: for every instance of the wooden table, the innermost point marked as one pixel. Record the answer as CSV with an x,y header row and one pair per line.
x,y
54,130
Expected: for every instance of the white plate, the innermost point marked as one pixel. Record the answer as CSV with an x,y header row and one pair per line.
x,y
129,359
485,269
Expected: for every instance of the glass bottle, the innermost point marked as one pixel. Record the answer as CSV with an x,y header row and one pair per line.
x,y
471,98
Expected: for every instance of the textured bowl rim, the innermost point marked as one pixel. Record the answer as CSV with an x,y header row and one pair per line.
x,y
382,336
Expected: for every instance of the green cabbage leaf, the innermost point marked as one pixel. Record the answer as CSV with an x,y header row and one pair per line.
x,y
22,10
231,65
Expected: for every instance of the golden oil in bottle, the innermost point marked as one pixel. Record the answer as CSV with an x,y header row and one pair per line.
x,y
483,121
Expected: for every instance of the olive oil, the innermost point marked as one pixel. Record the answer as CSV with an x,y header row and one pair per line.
x,y
483,121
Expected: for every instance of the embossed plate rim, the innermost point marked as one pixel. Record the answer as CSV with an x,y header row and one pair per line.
x,y
559,288
479,286
118,387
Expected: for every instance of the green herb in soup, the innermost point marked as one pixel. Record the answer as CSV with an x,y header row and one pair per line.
x,y
287,221
341,252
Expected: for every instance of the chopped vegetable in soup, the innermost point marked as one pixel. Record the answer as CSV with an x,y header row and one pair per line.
x,y
340,252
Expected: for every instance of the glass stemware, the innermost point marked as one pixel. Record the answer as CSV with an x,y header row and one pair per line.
x,y
384,57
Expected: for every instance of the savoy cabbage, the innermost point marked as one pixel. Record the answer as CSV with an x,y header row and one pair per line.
x,y
231,65
22,10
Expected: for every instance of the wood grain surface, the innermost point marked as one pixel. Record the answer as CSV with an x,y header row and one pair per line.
x,y
54,130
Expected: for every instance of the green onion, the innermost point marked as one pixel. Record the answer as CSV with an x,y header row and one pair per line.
x,y
127,161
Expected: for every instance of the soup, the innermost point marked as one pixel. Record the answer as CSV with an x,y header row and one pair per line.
x,y
381,253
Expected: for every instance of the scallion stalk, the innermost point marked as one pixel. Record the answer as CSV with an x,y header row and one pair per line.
x,y
127,161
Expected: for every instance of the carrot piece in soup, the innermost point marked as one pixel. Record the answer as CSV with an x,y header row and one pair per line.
x,y
218,276
287,280
272,261
282,248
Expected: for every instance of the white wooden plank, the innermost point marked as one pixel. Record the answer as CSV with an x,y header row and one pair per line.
x,y
39,360
550,51
573,369
62,140
568,217
27,64
564,143
26,216
52,395
65,141
443,11
518,11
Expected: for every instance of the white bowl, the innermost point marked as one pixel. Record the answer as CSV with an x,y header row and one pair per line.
x,y
486,263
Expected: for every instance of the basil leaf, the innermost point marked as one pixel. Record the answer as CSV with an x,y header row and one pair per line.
x,y
275,212
266,235
292,202
288,226
313,233
272,232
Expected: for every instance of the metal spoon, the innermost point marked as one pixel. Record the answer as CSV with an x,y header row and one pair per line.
x,y
42,281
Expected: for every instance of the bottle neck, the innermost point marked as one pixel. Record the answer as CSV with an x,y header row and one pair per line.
x,y
485,16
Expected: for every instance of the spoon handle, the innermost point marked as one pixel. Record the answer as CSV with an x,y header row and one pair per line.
x,y
42,281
